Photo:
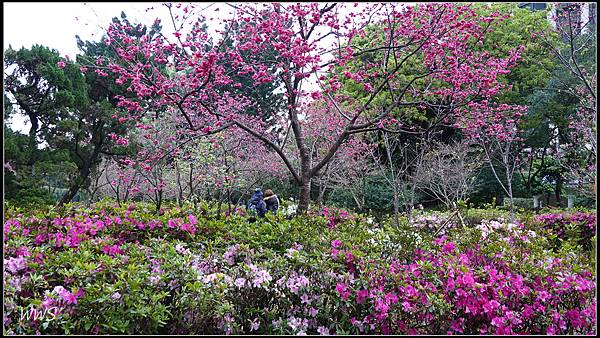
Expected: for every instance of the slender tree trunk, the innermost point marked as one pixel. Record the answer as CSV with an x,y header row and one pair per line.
x,y
388,152
229,200
159,201
33,139
363,193
510,194
179,187
396,211
117,193
356,199
191,181
70,194
94,187
557,190
321,198
220,203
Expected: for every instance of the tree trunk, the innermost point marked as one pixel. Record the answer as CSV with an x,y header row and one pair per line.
x,y
304,198
557,190
222,195
388,152
33,139
363,193
321,198
159,201
356,199
396,211
70,194
179,187
510,195
228,200
117,192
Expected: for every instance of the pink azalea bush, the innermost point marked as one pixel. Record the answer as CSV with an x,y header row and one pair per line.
x,y
109,269
578,225
335,216
454,291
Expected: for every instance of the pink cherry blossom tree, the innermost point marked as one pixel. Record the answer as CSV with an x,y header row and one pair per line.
x,y
351,167
351,163
113,179
313,42
211,167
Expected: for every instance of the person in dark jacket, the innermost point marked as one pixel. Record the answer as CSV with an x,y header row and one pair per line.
x,y
272,201
257,205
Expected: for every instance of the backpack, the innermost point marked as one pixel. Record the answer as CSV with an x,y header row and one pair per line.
x,y
251,210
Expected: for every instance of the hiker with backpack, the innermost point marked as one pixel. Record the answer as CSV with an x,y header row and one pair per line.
x,y
256,206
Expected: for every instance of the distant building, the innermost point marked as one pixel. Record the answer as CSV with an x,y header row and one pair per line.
x,y
534,6
580,14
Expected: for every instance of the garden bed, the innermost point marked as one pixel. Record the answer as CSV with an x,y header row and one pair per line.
x,y
109,269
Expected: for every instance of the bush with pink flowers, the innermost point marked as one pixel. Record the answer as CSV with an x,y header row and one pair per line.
x,y
108,269
577,226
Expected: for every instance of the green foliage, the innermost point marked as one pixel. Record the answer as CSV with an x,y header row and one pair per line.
x,y
39,66
520,203
552,106
374,191
33,184
474,216
533,69
32,196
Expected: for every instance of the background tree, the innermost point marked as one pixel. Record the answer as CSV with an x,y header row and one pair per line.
x,y
400,155
493,128
529,74
40,86
448,171
71,110
576,79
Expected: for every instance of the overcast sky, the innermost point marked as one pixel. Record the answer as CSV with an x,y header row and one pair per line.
x,y
56,24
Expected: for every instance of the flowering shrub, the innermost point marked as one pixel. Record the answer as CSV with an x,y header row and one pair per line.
x,y
447,290
578,226
110,269
496,278
336,216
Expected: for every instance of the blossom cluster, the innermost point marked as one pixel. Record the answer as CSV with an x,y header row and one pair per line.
x,y
433,223
474,293
336,216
